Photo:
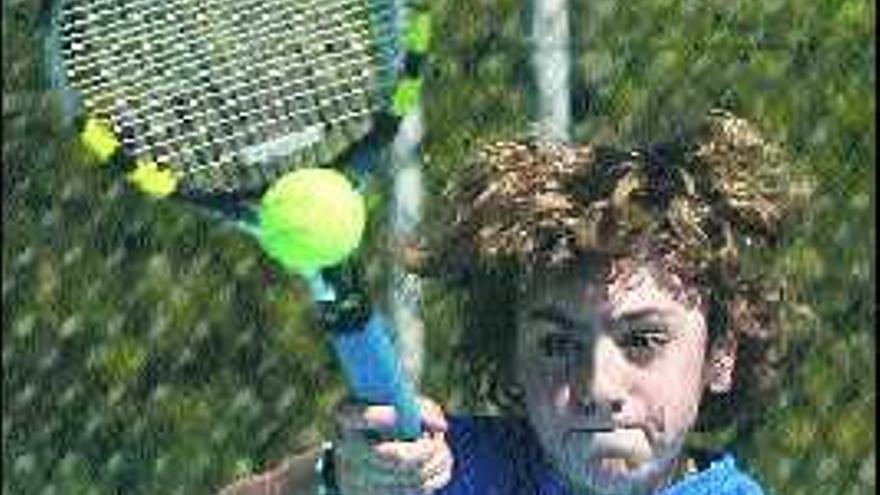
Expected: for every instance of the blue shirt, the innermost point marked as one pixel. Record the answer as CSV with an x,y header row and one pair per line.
x,y
497,456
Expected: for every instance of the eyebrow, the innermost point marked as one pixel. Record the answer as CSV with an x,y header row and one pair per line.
x,y
559,317
641,314
565,321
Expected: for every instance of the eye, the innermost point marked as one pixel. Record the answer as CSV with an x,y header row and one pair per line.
x,y
560,345
643,343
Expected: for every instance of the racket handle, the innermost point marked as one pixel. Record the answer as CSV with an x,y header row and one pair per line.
x,y
376,375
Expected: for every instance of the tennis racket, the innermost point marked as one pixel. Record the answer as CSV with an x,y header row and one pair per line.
x,y
213,101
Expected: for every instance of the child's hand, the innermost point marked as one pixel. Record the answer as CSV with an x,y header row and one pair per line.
x,y
366,467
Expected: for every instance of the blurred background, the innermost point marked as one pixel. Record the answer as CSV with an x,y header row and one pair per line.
x,y
147,350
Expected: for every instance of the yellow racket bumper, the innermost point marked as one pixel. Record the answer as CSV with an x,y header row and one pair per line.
x,y
153,180
418,36
406,96
97,136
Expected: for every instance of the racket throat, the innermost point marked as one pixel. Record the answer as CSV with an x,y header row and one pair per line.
x,y
341,297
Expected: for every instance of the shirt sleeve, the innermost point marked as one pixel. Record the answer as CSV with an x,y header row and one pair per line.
x,y
722,477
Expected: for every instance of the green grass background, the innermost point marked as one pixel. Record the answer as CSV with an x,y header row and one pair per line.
x,y
145,350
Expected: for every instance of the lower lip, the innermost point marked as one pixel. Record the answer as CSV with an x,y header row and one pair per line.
x,y
613,465
607,446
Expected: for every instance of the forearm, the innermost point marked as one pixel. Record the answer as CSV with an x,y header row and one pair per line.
x,y
295,476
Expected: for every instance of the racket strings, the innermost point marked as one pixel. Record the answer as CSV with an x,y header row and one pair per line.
x,y
220,90
189,60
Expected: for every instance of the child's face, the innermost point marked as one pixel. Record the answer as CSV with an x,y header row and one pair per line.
x,y
629,345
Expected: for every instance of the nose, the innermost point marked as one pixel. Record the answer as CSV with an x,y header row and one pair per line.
x,y
602,378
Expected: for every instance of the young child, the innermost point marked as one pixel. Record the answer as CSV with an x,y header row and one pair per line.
x,y
610,309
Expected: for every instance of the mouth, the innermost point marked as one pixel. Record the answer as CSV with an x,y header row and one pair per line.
x,y
611,452
596,428
617,446
613,465
608,466
605,421
605,425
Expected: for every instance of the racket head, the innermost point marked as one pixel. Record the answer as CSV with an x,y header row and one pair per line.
x,y
214,100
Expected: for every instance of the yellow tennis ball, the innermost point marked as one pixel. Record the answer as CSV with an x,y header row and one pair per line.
x,y
311,218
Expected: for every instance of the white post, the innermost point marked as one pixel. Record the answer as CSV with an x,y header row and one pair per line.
x,y
551,66
406,212
404,294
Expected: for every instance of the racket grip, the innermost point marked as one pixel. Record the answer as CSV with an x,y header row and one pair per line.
x,y
376,375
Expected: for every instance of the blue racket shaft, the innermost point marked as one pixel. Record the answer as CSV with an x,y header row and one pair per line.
x,y
376,375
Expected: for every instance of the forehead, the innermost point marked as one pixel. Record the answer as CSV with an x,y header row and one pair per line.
x,y
611,288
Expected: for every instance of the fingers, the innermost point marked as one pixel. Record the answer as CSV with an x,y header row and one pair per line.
x,y
361,418
353,416
438,478
366,466
406,456
419,466
433,417
436,471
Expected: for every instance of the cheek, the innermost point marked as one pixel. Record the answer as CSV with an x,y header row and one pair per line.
x,y
673,389
547,387
674,407
560,396
543,381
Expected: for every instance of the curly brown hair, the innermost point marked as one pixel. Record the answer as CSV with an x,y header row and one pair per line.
x,y
710,204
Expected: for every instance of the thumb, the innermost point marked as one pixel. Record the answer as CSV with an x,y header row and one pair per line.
x,y
433,417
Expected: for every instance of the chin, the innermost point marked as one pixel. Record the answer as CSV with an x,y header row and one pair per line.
x,y
612,474
615,479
